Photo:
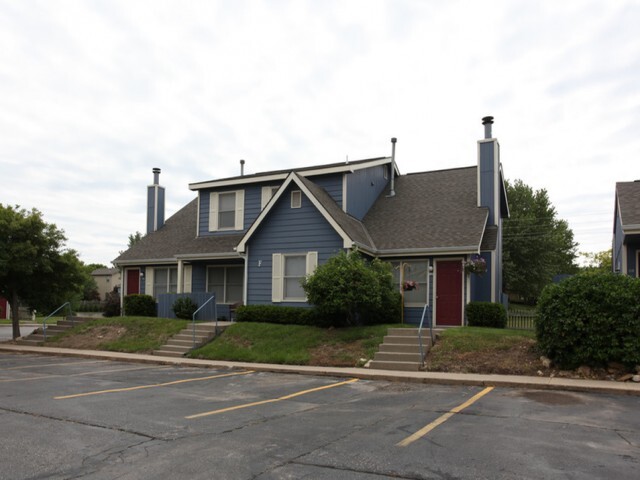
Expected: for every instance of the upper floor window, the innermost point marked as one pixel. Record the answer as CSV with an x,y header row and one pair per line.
x,y
296,199
226,211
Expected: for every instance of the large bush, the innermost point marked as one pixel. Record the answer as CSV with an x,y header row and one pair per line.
x,y
486,314
590,319
349,290
278,314
184,308
140,306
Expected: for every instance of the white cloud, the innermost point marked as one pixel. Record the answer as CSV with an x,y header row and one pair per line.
x,y
97,93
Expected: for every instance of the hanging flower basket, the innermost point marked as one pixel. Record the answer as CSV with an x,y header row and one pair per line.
x,y
476,264
410,285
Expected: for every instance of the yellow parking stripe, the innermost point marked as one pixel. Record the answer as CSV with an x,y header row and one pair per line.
x,y
423,431
271,400
76,374
140,387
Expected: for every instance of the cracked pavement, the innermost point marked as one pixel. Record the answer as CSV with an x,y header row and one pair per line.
x,y
347,432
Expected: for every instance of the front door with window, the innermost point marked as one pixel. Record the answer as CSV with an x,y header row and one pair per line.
x,y
448,293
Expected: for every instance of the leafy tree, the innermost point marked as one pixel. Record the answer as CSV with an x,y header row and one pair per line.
x,y
134,238
353,291
89,286
34,267
598,261
537,245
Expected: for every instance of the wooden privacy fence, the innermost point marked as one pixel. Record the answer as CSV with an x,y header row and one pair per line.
x,y
521,319
166,301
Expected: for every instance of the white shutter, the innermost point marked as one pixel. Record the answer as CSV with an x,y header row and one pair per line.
x,y
148,281
186,279
266,196
312,262
276,277
239,210
213,212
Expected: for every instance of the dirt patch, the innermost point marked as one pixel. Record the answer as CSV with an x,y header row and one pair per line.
x,y
338,354
521,358
92,338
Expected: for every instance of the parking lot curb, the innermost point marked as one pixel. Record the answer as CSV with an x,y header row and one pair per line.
x,y
441,378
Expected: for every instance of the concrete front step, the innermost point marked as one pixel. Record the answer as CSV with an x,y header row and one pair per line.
x,y
25,341
399,348
403,339
398,357
183,341
389,365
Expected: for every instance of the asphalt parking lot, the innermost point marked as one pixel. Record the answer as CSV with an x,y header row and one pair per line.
x,y
82,418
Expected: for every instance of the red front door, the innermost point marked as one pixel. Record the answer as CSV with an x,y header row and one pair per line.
x,y
133,281
449,293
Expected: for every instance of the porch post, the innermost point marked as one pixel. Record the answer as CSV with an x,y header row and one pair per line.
x,y
180,276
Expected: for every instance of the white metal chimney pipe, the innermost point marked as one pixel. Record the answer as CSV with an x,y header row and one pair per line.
x,y
392,191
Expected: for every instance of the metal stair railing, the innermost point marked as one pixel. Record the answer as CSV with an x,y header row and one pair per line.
x,y
424,311
44,321
215,314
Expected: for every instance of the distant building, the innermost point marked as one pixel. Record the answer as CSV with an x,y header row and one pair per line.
x,y
106,280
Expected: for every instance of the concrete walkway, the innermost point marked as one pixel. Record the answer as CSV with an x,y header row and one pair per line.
x,y
516,381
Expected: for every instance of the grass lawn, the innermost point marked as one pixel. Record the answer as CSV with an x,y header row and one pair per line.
x,y
295,344
120,334
38,320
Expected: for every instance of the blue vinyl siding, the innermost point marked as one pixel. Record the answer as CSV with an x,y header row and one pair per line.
x,y
287,230
332,184
481,284
199,277
632,255
150,208
363,188
487,179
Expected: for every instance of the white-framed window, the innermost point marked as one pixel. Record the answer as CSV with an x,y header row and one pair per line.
x,y
226,211
288,271
267,193
165,280
415,272
296,198
226,282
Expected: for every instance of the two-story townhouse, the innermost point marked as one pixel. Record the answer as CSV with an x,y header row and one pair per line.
x,y
251,239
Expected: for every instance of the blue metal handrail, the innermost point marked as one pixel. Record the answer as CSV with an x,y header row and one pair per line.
x,y
424,311
193,317
44,321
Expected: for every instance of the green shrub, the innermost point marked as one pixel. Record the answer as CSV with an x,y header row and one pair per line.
x,y
112,305
590,319
348,290
139,306
278,314
184,308
486,314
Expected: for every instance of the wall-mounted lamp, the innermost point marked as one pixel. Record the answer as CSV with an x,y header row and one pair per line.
x,y
259,263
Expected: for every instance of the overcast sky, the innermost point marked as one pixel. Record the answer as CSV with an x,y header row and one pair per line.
x,y
94,94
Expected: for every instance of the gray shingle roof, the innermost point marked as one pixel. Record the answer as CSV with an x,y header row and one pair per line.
x,y
104,271
430,211
628,194
178,237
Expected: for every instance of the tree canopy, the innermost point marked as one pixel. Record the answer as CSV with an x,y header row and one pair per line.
x,y
537,245
35,269
598,261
